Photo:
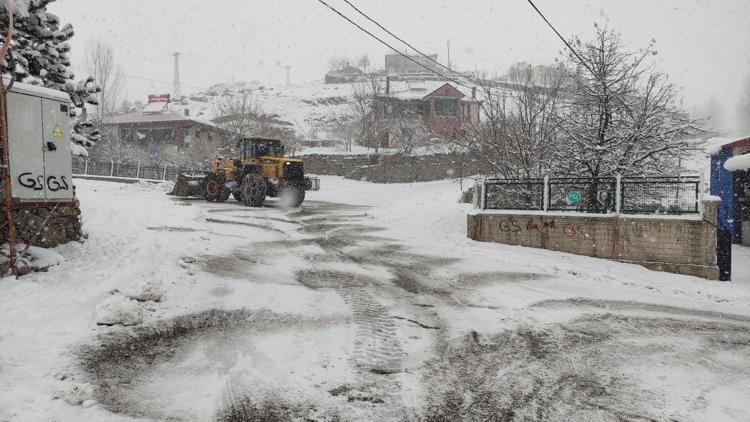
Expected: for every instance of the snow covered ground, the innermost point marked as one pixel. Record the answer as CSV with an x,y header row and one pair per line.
x,y
369,303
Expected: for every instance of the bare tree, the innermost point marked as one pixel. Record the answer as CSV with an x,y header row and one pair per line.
x,y
364,63
336,63
620,116
407,130
518,125
237,113
99,61
363,108
345,126
113,148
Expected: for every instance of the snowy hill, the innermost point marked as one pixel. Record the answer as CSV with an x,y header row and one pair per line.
x,y
311,108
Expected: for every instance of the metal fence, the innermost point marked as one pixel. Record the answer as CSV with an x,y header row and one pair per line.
x,y
591,195
83,167
630,195
526,194
662,195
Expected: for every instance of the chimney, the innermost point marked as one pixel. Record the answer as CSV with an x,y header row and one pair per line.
x,y
473,93
387,85
187,112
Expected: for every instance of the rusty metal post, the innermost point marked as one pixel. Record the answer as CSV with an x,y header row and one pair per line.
x,y
6,184
4,146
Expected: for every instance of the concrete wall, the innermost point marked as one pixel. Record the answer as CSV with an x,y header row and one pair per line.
x,y
395,168
683,246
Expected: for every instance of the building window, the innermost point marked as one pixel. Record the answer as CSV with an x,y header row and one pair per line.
x,y
155,136
467,112
184,136
125,134
446,107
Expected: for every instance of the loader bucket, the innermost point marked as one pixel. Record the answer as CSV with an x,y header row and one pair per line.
x,y
189,184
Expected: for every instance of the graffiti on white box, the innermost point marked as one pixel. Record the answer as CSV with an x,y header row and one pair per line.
x,y
53,183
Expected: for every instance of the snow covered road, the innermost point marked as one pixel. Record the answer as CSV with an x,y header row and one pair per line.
x,y
368,303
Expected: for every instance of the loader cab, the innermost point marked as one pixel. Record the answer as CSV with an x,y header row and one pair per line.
x,y
261,147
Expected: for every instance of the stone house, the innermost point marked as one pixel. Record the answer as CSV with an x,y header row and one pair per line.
x,y
442,108
157,126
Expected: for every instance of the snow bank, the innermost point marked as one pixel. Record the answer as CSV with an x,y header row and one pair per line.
x,y
164,186
119,310
149,291
739,162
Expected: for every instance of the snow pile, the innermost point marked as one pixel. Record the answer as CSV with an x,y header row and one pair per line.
x,y
119,310
149,291
40,258
33,259
739,162
75,394
714,145
165,186
78,150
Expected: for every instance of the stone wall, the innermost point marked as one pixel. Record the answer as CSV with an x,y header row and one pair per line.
x,y
395,168
678,245
63,224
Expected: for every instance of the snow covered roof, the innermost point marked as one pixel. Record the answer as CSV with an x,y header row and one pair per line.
x,y
738,162
165,116
37,91
156,107
717,144
417,90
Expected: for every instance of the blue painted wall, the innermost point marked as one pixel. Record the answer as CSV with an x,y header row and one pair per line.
x,y
722,185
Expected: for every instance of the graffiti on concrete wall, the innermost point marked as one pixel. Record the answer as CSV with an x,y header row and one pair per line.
x,y
566,230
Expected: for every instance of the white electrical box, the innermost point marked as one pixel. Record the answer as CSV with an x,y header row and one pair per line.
x,y
39,144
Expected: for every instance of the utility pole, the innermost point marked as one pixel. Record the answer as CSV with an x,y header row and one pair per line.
x,y
287,74
176,94
7,191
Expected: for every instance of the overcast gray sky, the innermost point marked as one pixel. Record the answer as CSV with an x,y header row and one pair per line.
x,y
703,45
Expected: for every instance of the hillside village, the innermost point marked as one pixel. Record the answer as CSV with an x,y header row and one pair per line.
x,y
312,218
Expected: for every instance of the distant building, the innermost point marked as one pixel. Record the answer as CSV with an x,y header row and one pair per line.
x,y
346,74
396,64
441,107
156,126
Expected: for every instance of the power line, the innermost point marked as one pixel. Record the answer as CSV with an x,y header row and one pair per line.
x,y
583,62
388,45
151,80
403,41
570,47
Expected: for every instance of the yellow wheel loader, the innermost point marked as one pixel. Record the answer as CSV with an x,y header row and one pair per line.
x,y
261,171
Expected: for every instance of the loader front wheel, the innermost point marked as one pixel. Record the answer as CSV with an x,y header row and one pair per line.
x,y
253,190
213,188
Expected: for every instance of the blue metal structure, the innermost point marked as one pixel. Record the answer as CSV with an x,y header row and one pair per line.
x,y
732,188
722,185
